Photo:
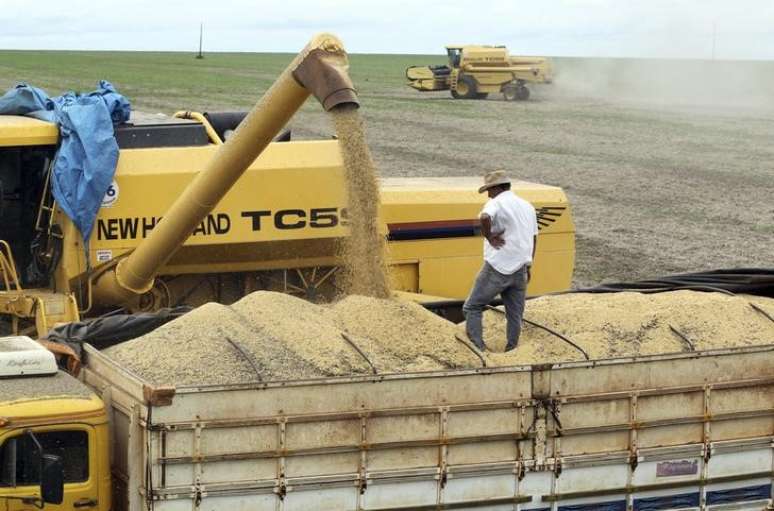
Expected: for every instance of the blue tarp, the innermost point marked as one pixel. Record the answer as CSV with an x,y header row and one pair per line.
x,y
88,152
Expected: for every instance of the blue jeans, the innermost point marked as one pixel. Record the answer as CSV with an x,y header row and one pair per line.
x,y
489,283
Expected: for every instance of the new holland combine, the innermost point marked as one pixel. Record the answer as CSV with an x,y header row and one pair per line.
x,y
475,72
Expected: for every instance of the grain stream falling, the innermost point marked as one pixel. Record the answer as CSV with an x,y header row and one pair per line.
x,y
363,253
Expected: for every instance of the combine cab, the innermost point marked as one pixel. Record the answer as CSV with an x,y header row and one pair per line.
x,y
474,72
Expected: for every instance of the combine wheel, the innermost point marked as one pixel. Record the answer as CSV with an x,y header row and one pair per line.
x,y
467,88
516,92
509,93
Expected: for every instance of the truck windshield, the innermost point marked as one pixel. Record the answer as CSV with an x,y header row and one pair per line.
x,y
20,460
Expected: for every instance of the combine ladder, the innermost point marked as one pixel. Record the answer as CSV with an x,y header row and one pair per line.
x,y
44,307
12,289
8,273
44,222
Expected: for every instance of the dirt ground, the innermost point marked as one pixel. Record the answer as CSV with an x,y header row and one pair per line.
x,y
660,180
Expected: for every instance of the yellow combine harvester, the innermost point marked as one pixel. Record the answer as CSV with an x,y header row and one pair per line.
x,y
474,72
236,217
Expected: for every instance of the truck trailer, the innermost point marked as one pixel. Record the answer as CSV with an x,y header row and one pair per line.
x,y
674,431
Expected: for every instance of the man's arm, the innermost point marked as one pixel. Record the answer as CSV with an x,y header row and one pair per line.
x,y
529,268
496,240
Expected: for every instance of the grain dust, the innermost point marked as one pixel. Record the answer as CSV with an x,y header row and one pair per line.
x,y
363,252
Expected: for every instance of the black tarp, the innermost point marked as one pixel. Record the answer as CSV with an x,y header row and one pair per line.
x,y
751,281
111,329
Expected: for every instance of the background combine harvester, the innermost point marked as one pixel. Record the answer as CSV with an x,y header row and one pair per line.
x,y
671,431
474,72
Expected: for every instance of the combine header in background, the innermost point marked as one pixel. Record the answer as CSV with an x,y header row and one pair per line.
x,y
474,72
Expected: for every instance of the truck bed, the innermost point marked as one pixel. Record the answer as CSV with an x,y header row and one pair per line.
x,y
659,432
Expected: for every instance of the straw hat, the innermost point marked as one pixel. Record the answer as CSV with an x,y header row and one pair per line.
x,y
494,178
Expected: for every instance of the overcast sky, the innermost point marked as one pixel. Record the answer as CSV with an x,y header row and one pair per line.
x,y
609,28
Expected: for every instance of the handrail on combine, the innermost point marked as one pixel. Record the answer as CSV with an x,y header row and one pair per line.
x,y
8,267
320,70
196,116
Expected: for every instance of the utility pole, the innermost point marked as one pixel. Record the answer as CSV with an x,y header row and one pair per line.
x,y
201,33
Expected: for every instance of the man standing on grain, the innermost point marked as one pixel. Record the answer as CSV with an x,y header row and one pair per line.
x,y
509,226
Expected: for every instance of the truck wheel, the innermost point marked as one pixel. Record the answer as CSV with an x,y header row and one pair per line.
x,y
466,88
522,93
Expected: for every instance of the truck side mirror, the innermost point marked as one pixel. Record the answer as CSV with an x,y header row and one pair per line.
x,y
51,479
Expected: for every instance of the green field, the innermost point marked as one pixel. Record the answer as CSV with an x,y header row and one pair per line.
x,y
170,81
669,165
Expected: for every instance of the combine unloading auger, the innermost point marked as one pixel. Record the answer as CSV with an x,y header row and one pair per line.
x,y
320,70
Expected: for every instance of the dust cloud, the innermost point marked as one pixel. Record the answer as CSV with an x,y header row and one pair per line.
x,y
717,85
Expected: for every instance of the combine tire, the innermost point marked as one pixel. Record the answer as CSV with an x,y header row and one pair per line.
x,y
467,88
509,93
516,93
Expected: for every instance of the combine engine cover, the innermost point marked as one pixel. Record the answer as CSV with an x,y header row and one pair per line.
x,y
484,56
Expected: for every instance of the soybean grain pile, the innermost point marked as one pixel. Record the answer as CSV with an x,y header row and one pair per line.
x,y
631,324
363,252
273,336
405,335
269,336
